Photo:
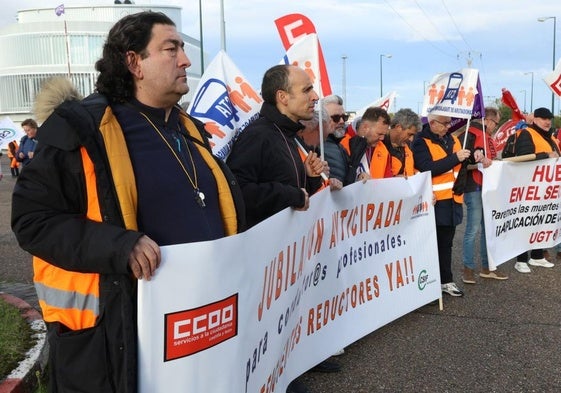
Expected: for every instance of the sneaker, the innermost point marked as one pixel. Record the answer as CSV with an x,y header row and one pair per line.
x,y
339,352
522,267
451,289
468,277
540,262
486,273
297,387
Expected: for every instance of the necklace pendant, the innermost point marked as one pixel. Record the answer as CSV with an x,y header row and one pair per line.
x,y
200,197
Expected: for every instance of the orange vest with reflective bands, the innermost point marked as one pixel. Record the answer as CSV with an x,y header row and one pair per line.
x,y
442,184
72,298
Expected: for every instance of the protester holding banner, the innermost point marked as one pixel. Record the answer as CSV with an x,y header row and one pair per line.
x,y
28,142
483,151
334,153
369,158
536,142
266,160
403,127
265,157
89,205
436,150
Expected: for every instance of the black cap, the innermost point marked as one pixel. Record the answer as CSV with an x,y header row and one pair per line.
x,y
543,113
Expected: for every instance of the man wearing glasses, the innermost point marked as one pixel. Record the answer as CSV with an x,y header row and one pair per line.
x,y
436,150
334,153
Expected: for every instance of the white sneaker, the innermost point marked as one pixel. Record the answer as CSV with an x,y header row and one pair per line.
x,y
522,267
339,352
540,262
452,289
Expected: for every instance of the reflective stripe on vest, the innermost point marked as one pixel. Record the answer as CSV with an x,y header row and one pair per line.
x,y
442,184
71,298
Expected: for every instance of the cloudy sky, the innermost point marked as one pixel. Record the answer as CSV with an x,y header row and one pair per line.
x,y
501,38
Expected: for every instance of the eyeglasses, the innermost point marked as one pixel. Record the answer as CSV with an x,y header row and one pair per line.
x,y
444,123
337,118
494,121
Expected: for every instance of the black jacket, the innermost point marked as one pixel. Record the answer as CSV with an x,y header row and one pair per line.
x,y
268,166
336,157
48,217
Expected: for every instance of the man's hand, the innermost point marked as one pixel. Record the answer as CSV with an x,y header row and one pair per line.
x,y
315,166
463,154
335,184
145,258
306,201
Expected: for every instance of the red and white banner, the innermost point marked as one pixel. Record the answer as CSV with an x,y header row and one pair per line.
x,y
452,94
553,79
251,312
521,206
291,28
225,102
304,54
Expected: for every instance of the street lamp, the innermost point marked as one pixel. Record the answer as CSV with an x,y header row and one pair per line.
x,y
531,91
543,19
524,91
388,57
344,58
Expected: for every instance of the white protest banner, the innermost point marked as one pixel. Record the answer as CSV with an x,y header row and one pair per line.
x,y
304,54
521,203
9,132
225,102
249,313
452,94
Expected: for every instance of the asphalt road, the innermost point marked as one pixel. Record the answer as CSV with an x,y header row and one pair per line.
x,y
503,336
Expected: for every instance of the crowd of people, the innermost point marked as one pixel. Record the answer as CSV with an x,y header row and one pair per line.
x,y
84,204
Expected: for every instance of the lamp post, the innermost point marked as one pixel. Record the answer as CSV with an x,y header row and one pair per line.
x,y
201,36
543,19
531,90
524,91
387,57
344,58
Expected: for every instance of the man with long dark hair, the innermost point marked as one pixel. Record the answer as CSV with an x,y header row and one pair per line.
x,y
114,177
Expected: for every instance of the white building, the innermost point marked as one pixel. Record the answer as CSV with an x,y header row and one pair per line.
x,y
43,44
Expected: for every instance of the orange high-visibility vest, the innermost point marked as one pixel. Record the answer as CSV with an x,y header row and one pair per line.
x,y
540,143
69,297
442,184
408,163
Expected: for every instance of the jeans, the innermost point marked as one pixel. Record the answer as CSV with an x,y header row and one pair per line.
x,y
474,222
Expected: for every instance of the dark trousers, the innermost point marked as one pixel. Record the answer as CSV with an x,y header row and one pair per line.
x,y
534,254
444,240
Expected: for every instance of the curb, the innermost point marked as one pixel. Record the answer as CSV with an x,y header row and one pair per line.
x,y
23,379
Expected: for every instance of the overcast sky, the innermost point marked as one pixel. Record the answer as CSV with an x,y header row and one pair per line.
x,y
501,38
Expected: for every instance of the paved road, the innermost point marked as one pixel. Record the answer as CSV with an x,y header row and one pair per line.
x,y
503,336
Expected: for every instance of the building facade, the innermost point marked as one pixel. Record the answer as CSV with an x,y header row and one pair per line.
x,y
44,43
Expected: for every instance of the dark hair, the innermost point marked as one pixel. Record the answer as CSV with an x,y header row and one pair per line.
x,y
131,33
275,79
29,122
373,113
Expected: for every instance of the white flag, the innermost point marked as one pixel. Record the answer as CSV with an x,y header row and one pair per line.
x,y
225,102
9,132
304,54
553,79
383,102
452,94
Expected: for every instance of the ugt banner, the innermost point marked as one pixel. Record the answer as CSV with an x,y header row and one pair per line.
x,y
521,207
249,313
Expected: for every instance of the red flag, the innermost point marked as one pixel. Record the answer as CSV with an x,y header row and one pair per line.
x,y
509,101
293,26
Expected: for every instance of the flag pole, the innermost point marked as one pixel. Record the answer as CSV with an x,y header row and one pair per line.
x,y
67,47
